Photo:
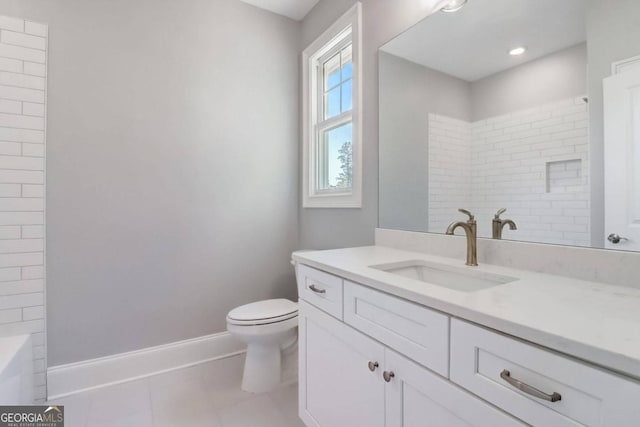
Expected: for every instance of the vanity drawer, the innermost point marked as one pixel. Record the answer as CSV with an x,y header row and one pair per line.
x,y
320,289
411,329
589,396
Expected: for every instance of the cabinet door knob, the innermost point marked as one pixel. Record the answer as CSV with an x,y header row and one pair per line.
x,y
373,366
388,375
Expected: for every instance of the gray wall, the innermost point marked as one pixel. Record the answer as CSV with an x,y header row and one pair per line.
x,y
560,75
382,20
408,93
613,34
171,167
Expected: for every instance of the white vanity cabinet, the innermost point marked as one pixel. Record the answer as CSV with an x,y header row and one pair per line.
x,y
348,379
381,361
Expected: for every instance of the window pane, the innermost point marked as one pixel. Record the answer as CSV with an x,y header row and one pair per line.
x,y
331,72
332,103
347,71
346,63
335,159
347,96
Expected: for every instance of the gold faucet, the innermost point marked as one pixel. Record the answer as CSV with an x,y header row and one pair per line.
x,y
471,230
498,224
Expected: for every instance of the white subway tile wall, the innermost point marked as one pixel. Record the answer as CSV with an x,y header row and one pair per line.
x,y
449,170
534,163
23,82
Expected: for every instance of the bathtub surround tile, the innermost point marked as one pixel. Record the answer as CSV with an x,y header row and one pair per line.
x,y
34,272
11,65
10,274
23,56
31,190
21,39
32,231
10,148
32,313
13,24
20,287
34,69
30,109
10,315
33,150
21,245
19,260
21,328
38,352
20,162
36,29
22,53
12,107
18,218
10,232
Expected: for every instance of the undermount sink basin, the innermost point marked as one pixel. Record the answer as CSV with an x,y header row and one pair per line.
x,y
459,279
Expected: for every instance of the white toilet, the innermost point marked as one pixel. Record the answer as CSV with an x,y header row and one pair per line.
x,y
267,327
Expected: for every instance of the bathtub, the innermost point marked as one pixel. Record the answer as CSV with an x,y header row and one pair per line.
x,y
16,370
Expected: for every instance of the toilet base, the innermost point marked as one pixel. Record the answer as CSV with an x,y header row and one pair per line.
x,y
262,368
265,342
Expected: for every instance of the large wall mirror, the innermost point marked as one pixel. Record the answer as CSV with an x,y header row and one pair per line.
x,y
529,109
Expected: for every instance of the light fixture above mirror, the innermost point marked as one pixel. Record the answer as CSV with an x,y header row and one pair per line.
x,y
453,5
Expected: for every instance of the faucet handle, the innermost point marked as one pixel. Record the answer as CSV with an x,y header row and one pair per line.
x,y
500,212
466,212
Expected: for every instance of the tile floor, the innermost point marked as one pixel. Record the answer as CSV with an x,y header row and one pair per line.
x,y
204,395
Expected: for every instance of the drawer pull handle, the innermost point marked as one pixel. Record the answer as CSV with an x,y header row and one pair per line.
x,y
506,375
388,376
373,366
317,290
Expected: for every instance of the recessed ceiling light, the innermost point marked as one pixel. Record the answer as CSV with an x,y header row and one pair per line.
x,y
517,51
454,6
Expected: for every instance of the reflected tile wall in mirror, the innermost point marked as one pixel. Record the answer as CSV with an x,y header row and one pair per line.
x,y
465,124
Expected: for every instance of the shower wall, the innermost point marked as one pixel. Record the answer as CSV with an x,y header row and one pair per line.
x,y
533,162
23,77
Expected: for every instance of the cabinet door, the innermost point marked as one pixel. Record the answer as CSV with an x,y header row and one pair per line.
x,y
416,397
337,388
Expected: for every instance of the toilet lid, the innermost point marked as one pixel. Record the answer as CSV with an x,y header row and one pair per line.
x,y
263,310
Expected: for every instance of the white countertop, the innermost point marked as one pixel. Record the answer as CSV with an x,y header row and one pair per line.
x,y
592,321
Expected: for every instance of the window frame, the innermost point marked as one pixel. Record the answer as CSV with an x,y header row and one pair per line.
x,y
348,26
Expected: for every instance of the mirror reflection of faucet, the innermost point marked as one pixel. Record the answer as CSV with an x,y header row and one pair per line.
x,y
499,224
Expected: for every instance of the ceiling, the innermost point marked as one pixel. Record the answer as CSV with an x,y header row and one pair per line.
x,y
294,9
474,43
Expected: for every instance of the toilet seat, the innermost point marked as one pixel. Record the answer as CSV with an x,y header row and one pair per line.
x,y
263,312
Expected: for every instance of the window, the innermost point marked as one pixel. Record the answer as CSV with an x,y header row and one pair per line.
x,y
332,176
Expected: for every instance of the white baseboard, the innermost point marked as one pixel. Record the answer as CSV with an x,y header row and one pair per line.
x,y
64,380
